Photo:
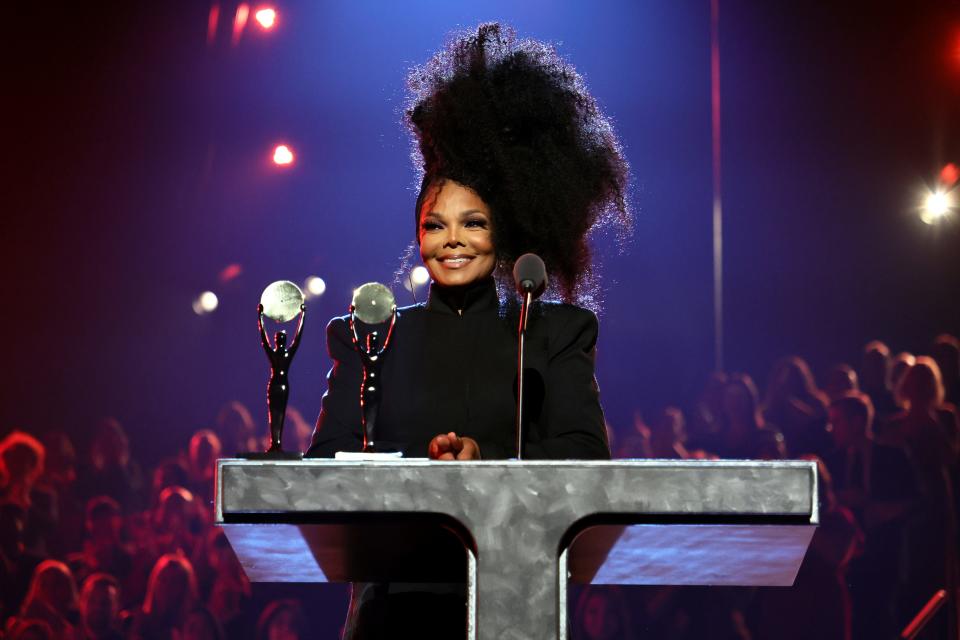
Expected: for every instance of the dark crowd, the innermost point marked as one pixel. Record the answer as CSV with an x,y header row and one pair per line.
x,y
93,546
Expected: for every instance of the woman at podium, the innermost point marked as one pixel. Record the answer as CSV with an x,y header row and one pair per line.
x,y
515,158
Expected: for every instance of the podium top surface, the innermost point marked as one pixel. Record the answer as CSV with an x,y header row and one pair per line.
x,y
743,522
632,489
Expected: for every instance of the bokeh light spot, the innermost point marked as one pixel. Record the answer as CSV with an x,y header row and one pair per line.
x,y
282,155
936,205
315,286
206,302
420,275
266,17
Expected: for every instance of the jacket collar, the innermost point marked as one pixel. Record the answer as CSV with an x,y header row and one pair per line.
x,y
472,298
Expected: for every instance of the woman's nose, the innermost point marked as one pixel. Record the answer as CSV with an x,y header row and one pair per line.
x,y
453,237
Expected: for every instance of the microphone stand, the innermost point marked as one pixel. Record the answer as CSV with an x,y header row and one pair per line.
x,y
524,312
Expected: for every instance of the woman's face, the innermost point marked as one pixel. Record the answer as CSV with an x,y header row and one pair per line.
x,y
456,240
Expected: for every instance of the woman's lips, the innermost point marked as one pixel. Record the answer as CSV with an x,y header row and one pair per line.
x,y
454,262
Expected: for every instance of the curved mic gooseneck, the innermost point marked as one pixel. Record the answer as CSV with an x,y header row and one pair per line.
x,y
530,277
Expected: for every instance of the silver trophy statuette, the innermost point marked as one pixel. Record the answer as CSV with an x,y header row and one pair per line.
x,y
373,304
281,300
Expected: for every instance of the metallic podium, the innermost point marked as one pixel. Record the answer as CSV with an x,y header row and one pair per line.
x,y
516,531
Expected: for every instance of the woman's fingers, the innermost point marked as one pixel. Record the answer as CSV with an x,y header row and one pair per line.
x,y
450,446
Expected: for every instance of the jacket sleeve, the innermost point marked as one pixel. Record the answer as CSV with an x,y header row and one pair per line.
x,y
571,425
338,427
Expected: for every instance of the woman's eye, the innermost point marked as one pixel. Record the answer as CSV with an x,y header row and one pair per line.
x,y
477,224
429,226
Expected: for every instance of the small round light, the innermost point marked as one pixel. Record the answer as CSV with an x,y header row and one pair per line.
x,y
205,303
266,18
936,205
315,286
209,301
282,155
420,275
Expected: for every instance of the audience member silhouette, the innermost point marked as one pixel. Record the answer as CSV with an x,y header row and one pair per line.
x,y
899,365
21,464
875,380
876,483
171,594
668,434
636,443
704,428
602,614
202,457
200,624
100,608
927,431
946,351
741,420
282,619
841,379
53,599
818,604
236,428
111,469
103,550
797,407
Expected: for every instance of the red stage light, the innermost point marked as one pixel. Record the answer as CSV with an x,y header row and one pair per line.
x,y
239,22
282,155
266,17
949,174
213,19
230,272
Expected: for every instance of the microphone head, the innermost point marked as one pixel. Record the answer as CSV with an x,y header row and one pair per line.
x,y
530,274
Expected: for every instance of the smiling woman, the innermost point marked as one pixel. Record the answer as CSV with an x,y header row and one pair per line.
x,y
515,158
456,243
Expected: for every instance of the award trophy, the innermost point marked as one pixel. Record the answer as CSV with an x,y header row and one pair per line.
x,y
373,304
280,301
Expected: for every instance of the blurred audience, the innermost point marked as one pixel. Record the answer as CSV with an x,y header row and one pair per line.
x,y
150,564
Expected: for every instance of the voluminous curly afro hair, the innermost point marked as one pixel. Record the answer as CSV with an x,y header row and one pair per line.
x,y
512,121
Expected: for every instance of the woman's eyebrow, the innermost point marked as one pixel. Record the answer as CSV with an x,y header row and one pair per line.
x,y
464,214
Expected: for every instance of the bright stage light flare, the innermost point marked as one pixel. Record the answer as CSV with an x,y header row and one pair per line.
x,y
420,275
315,286
206,302
936,206
266,17
282,155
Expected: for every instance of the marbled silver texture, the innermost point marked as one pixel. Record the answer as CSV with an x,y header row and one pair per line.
x,y
519,512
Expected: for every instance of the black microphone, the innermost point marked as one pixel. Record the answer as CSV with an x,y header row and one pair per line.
x,y
530,276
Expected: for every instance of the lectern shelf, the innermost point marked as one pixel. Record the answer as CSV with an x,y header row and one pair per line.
x,y
523,527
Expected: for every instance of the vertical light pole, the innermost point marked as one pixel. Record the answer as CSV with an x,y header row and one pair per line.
x,y
717,201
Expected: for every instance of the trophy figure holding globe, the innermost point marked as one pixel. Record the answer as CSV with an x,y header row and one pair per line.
x,y
281,301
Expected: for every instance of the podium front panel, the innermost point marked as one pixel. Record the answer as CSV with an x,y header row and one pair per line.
x,y
523,527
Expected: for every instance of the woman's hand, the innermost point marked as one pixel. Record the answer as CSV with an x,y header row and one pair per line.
x,y
450,446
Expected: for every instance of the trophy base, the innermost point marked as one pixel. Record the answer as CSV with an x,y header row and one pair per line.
x,y
270,455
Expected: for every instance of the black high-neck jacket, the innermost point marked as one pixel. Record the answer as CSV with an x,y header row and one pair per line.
x,y
451,366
